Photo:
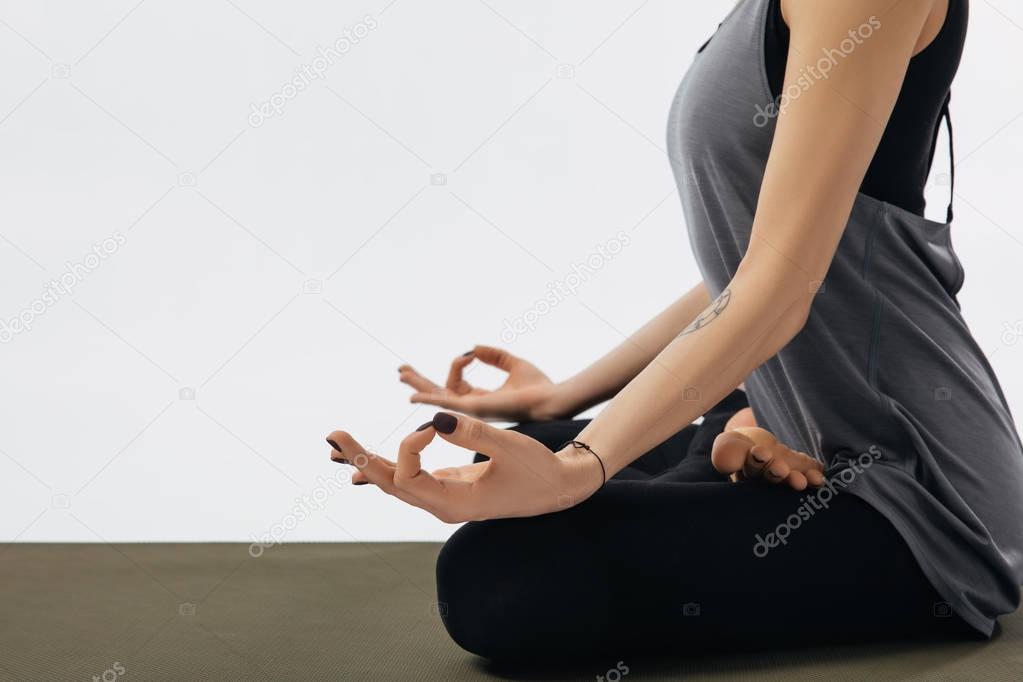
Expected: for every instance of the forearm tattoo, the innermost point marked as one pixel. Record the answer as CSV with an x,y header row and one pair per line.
x,y
710,314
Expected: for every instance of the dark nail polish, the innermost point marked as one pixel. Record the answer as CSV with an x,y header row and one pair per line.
x,y
425,426
340,461
444,422
468,353
334,445
359,482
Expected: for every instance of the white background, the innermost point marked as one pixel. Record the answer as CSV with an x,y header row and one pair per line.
x,y
546,120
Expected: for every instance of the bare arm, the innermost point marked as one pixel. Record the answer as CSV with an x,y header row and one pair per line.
x,y
608,375
823,144
528,394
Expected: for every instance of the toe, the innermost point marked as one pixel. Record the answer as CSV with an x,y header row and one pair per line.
x,y
758,459
796,480
729,452
777,471
815,477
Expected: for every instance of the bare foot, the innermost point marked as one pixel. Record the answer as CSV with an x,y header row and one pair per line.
x,y
752,452
743,417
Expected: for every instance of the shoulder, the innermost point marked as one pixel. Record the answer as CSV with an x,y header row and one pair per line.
x,y
889,30
830,16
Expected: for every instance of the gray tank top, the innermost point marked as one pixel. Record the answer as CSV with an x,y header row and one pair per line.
x,y
885,384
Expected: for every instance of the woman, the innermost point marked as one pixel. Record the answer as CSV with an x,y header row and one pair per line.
x,y
801,139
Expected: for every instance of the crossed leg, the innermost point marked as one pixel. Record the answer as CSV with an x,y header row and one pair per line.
x,y
669,557
677,567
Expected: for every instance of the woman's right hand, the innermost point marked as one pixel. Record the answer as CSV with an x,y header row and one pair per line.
x,y
526,395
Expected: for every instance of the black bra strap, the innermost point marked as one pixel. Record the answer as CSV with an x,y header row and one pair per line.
x,y
951,158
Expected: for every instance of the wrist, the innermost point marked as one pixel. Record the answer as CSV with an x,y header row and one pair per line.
x,y
550,405
583,473
559,403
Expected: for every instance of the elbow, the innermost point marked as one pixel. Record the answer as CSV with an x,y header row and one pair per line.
x,y
800,315
787,296
796,294
791,320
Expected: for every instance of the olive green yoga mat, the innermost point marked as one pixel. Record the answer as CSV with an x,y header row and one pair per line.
x,y
341,612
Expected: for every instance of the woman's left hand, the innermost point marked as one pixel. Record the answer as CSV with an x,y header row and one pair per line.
x,y
522,477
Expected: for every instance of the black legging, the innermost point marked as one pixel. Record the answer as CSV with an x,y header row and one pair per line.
x,y
662,559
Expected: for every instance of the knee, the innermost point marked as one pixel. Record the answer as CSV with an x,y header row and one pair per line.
x,y
469,590
512,588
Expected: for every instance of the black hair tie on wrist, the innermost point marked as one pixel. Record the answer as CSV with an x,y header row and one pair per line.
x,y
583,446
